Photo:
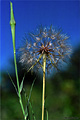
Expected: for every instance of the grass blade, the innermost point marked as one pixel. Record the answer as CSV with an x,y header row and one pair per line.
x,y
47,114
32,111
21,85
31,90
13,84
28,101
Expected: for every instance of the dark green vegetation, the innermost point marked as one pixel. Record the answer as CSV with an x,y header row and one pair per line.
x,y
62,94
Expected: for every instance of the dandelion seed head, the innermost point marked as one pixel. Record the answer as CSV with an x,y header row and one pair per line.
x,y
47,41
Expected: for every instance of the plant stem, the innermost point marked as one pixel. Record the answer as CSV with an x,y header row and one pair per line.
x,y
43,94
13,23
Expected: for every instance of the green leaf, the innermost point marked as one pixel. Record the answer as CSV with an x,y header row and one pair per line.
x,y
28,100
47,114
21,85
31,90
13,84
34,118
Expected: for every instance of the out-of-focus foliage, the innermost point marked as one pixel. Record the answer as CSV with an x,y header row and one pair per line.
x,y
62,93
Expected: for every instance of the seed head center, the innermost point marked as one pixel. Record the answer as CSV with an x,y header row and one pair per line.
x,y
44,49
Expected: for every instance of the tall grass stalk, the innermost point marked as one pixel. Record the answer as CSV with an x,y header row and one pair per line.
x,y
43,94
13,23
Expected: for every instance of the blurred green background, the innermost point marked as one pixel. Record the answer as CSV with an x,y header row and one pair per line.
x,y
62,92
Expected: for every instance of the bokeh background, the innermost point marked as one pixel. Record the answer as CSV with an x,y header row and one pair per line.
x,y
63,88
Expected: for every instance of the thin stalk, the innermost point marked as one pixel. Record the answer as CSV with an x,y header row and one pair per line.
x,y
13,23
43,92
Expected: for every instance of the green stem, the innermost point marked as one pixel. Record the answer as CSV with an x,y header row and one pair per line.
x,y
13,23
43,94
